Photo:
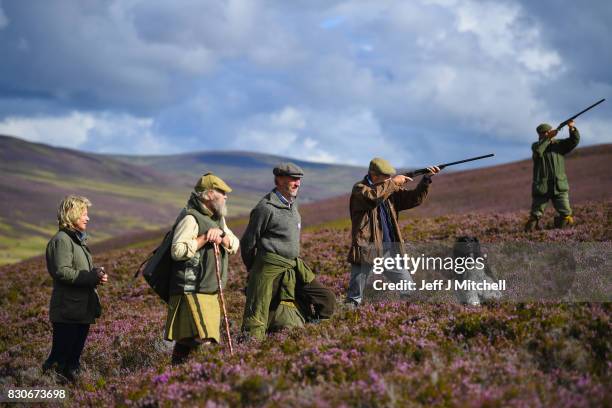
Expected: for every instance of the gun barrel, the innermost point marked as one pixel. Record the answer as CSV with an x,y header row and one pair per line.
x,y
564,123
466,160
441,166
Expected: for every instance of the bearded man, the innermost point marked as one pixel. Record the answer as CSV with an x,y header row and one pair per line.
x,y
194,315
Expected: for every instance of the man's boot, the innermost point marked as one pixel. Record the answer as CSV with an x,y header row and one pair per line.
x,y
180,353
72,374
533,223
564,221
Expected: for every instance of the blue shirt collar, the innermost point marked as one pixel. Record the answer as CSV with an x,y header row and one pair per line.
x,y
282,198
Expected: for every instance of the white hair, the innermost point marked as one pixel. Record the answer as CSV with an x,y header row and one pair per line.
x,y
203,195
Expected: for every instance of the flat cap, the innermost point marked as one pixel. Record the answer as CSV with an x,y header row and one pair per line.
x,y
209,181
381,166
543,128
288,169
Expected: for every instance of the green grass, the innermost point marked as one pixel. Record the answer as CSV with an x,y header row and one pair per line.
x,y
177,197
5,228
44,230
153,242
335,224
20,238
16,249
22,241
160,195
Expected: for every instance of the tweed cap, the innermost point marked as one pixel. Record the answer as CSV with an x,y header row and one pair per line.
x,y
209,181
288,169
381,166
543,128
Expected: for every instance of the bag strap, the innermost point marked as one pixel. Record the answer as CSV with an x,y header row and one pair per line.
x,y
171,231
141,267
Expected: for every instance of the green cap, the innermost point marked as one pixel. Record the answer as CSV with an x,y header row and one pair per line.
x,y
543,128
288,169
209,181
381,166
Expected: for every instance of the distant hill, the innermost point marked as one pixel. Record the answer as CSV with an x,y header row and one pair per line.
x,y
249,172
135,194
494,189
491,190
129,193
35,177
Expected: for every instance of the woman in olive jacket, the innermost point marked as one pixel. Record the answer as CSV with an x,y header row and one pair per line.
x,y
74,301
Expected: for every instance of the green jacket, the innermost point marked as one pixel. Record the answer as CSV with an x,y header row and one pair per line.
x,y
272,281
549,164
74,298
292,270
198,274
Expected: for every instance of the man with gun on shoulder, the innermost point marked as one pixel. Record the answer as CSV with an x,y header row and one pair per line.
x,y
549,178
374,207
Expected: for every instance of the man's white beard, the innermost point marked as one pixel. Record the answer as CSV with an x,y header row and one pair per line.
x,y
219,208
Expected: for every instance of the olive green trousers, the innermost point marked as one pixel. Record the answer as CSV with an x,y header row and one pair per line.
x,y
560,203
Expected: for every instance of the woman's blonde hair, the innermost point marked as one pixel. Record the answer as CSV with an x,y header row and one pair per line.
x,y
70,210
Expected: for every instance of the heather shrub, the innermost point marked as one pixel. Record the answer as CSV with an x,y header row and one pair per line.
x,y
386,353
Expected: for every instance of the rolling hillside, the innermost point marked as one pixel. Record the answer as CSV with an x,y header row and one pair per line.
x,y
129,194
386,353
36,177
495,189
251,173
132,194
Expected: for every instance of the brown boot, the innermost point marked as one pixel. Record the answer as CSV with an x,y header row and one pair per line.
x,y
533,223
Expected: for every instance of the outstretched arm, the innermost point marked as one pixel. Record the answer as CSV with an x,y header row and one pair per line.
x,y
365,198
405,199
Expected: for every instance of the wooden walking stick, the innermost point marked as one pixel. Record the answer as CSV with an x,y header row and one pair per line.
x,y
227,330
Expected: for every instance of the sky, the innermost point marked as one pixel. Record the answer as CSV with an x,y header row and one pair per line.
x,y
416,82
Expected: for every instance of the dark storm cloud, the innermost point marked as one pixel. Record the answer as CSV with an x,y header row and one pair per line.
x,y
417,82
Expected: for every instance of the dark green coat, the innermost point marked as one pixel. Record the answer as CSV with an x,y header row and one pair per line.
x,y
74,298
267,269
198,274
549,176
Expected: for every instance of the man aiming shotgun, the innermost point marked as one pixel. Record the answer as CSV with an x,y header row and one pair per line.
x,y
549,178
374,205
424,171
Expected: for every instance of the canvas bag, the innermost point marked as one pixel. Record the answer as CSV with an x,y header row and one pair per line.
x,y
157,268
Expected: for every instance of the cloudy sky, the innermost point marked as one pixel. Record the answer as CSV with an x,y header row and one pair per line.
x,y
417,82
